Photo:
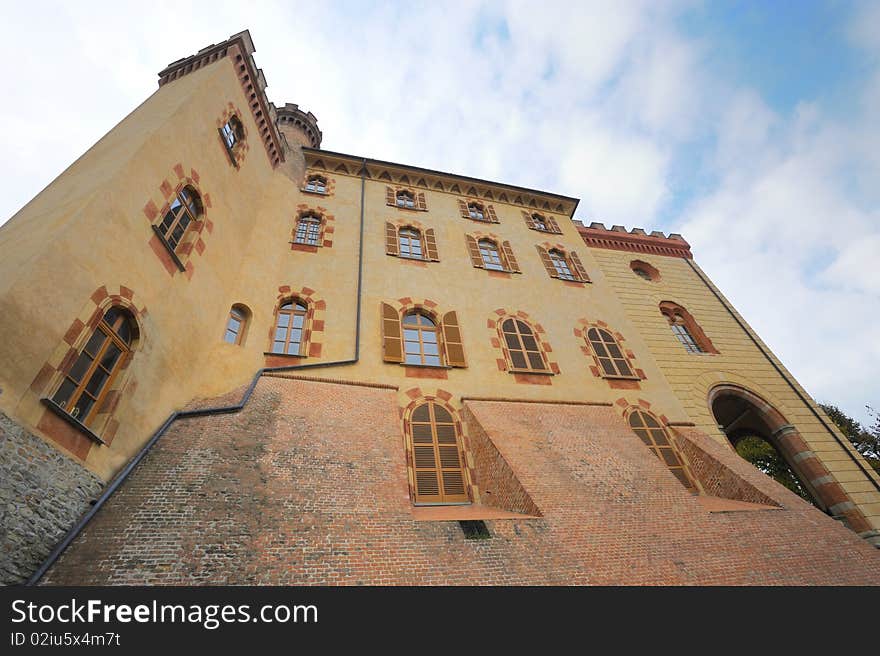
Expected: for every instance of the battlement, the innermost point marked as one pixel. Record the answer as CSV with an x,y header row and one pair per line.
x,y
297,124
637,240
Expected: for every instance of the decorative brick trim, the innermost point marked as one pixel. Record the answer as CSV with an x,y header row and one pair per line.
x,y
51,372
195,237
650,270
240,148
671,309
797,453
313,332
238,49
442,398
496,340
328,228
615,382
635,241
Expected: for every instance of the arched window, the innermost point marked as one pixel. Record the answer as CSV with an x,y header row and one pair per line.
x,y
236,324
522,346
561,265
410,241
308,230
90,377
436,456
185,208
541,223
686,329
405,199
316,184
611,358
654,436
289,327
490,256
420,343
233,132
476,212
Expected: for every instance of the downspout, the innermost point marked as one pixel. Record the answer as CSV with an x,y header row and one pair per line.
x,y
120,478
780,371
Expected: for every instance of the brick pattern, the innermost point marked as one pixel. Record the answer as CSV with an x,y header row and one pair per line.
x,y
313,482
241,146
442,398
328,227
312,336
194,240
580,331
51,372
496,339
635,241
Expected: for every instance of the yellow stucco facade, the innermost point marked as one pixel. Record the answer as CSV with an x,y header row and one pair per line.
x,y
92,229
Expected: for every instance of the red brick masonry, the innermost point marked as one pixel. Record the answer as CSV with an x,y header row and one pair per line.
x,y
307,485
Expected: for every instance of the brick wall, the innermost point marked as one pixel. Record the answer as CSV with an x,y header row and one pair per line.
x,y
307,485
43,493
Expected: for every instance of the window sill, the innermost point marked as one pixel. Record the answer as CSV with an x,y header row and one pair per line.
x,y
168,248
547,232
283,355
73,421
427,366
538,372
636,378
409,209
315,192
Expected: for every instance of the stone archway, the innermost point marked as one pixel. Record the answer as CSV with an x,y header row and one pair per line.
x,y
740,412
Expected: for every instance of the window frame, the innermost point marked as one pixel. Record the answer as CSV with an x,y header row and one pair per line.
x,y
281,310
489,265
508,350
418,450
192,215
234,128
240,314
409,203
435,328
605,342
561,258
647,433
417,237
309,218
314,188
686,330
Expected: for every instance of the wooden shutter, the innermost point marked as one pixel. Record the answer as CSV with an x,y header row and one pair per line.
x,y
529,221
392,343
392,247
463,208
490,212
452,340
390,197
437,459
548,263
512,264
578,267
431,245
474,250
422,205
554,227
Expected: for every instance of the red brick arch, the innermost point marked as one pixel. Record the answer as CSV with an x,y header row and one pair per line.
x,y
799,456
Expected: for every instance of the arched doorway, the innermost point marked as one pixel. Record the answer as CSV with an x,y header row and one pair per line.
x,y
761,436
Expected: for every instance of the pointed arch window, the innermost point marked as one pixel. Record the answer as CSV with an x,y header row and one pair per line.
x,y
612,359
290,325
686,330
522,347
91,375
436,456
655,438
308,230
316,184
183,211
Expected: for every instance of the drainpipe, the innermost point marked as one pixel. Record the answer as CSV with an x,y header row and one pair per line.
x,y
120,478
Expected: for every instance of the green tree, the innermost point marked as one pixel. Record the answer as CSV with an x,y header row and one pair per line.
x,y
765,457
865,440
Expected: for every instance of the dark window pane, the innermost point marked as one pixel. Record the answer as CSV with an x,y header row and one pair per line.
x,y
111,355
536,361
79,368
607,367
81,407
512,341
95,342
63,394
519,360
96,383
530,343
523,328
421,413
442,415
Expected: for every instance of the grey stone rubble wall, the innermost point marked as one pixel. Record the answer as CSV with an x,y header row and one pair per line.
x,y
42,494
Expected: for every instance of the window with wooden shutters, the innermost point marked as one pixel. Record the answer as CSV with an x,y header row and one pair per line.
x,y
474,252
289,328
509,257
185,209
655,438
308,230
452,341
476,212
392,339
236,325
489,255
612,360
436,456
560,264
579,271
522,347
410,243
541,223
391,244
91,375
421,345
431,252
405,199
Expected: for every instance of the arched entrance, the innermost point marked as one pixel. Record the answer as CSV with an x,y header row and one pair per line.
x,y
760,431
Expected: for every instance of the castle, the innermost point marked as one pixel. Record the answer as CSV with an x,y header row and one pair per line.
x,y
232,357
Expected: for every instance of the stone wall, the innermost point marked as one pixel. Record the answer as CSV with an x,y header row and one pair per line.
x,y
42,495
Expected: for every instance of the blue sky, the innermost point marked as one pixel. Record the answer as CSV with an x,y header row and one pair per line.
x,y
753,128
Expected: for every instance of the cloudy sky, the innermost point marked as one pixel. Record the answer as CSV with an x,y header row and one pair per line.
x,y
753,128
